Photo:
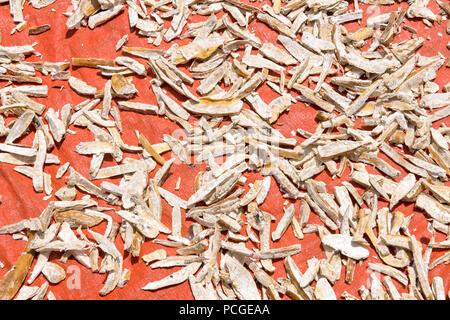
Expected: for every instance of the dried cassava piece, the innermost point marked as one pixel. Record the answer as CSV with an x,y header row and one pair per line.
x,y
241,280
53,272
175,278
346,246
284,223
81,87
148,147
13,279
122,41
77,218
38,29
156,255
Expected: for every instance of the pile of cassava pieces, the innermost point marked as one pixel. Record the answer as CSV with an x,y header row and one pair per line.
x,y
371,101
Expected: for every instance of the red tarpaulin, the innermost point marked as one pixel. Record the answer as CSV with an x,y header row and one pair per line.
x,y
19,201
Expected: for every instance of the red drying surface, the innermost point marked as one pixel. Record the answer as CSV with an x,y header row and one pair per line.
x,y
19,201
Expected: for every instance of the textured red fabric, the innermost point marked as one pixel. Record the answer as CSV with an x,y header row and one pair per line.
x,y
19,201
